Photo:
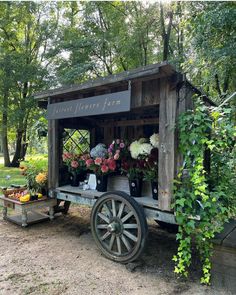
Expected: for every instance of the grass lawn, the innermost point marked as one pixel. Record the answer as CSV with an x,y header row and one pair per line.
x,y
10,175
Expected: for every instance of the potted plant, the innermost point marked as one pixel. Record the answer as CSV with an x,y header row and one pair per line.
x,y
150,171
76,166
132,168
42,180
134,165
102,167
35,172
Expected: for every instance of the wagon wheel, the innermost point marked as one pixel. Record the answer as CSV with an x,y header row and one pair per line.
x,y
119,226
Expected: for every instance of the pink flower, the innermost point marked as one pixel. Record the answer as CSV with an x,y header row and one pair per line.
x,y
89,162
66,156
98,161
111,146
74,164
109,150
117,141
104,168
122,145
116,156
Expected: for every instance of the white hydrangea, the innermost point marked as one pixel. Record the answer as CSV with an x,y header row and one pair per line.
x,y
135,149
154,140
140,149
145,149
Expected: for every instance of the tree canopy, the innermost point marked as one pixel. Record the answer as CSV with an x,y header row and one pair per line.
x,y
46,44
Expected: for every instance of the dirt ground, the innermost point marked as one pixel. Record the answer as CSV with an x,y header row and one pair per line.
x,y
60,257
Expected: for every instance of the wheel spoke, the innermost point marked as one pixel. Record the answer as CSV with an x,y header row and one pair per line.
x,y
105,236
122,206
113,207
126,242
102,226
118,244
127,216
112,241
108,210
130,225
104,217
130,236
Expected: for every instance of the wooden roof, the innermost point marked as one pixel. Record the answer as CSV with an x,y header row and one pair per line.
x,y
159,70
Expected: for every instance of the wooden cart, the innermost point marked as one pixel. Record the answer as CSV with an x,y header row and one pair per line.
x,y
131,105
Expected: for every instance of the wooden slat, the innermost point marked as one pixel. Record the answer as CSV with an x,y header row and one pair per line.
x,y
137,122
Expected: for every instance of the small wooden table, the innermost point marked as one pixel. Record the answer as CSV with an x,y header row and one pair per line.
x,y
29,207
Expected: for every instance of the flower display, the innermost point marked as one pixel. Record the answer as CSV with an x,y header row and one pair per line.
x,y
101,166
41,178
117,149
35,173
154,140
99,150
140,148
76,163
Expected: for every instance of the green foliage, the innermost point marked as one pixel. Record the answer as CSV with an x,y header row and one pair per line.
x,y
210,196
211,59
31,168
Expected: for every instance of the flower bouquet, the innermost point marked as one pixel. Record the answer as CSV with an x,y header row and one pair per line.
x,y
76,166
101,167
118,150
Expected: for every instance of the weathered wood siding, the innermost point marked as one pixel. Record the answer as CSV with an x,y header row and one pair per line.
x,y
166,164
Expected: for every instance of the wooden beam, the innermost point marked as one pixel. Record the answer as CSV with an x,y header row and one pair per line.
x,y
137,122
167,146
53,153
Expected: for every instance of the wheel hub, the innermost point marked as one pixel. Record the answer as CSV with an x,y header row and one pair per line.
x,y
114,227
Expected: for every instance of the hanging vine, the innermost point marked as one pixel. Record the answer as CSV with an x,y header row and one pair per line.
x,y
203,202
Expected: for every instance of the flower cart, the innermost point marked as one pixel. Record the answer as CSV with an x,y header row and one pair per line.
x,y
131,105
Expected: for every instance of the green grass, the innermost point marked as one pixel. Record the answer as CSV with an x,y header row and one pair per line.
x,y
14,173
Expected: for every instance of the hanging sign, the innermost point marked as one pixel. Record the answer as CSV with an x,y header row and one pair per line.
x,y
97,105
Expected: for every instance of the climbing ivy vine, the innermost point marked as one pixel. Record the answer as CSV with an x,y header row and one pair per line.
x,y
204,200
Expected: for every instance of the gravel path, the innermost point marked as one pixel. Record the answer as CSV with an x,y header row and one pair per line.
x,y
60,257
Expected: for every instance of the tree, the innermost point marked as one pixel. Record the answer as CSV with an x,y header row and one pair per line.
x,y
24,37
211,32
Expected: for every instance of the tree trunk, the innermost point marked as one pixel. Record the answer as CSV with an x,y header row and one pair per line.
x,y
17,157
24,146
165,32
4,131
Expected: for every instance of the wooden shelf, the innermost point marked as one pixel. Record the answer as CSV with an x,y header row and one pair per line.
x,y
148,202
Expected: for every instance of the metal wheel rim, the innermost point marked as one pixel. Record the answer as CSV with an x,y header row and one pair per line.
x,y
117,227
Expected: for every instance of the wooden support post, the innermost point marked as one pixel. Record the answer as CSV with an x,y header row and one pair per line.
x,y
167,146
53,154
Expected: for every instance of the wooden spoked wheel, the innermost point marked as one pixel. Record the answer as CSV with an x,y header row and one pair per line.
x,y
119,226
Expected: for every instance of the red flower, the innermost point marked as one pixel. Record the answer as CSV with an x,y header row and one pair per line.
x,y
104,168
111,164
